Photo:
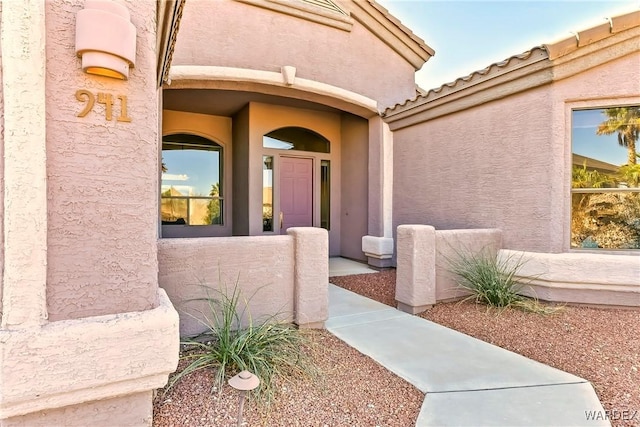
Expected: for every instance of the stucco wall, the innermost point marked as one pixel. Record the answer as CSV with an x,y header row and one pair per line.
x,y
222,33
131,410
504,164
479,168
240,202
1,175
261,266
355,163
425,260
102,176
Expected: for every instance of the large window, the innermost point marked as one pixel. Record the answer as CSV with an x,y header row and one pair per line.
x,y
605,185
191,192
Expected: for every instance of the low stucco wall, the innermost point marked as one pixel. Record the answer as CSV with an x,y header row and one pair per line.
x,y
450,244
424,258
276,275
74,362
424,277
579,278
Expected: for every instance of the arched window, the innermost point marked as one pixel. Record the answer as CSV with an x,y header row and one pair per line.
x,y
296,138
191,190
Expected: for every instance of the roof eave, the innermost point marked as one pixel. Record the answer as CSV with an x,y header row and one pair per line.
x,y
539,66
390,30
169,14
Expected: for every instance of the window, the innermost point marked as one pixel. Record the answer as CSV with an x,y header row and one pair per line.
x,y
605,183
325,195
267,193
296,138
191,190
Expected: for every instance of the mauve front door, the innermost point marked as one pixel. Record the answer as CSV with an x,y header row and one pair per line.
x,y
296,193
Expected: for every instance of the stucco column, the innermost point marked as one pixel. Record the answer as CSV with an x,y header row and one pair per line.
x,y
63,211
416,274
311,276
25,187
378,244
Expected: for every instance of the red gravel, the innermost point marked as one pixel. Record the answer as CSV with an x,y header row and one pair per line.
x,y
353,390
600,345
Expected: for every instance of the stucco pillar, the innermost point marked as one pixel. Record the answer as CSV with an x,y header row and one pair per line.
x,y
311,276
25,187
378,244
76,185
416,274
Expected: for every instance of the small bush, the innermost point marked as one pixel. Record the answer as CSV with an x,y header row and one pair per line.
x,y
269,349
492,281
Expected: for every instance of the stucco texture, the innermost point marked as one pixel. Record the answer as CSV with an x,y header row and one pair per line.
x,y
102,176
505,164
261,267
1,173
487,173
133,410
352,60
354,211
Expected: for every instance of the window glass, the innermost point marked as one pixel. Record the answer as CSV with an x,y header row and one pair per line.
x,y
267,193
296,138
191,185
605,182
325,188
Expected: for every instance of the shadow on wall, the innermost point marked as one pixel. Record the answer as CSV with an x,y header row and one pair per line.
x,y
424,255
275,275
424,275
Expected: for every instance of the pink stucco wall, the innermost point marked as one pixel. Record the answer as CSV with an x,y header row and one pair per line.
x,y
487,173
504,164
354,195
232,34
102,176
262,268
1,173
130,410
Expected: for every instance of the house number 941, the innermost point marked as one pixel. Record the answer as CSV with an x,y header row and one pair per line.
x,y
107,99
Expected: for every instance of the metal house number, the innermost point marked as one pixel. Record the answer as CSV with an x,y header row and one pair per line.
x,y
107,100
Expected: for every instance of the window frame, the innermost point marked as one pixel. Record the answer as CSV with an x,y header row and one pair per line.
x,y
205,230
572,107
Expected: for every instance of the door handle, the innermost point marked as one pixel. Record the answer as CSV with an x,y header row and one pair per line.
x,y
281,219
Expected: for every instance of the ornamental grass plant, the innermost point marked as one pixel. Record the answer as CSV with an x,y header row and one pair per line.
x,y
495,281
269,348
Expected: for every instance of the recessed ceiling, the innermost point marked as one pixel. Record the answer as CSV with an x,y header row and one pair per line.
x,y
227,102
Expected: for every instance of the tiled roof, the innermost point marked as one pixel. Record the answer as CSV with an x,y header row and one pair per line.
x,y
549,51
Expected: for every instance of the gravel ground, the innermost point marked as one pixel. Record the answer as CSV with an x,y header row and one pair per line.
x,y
353,390
600,345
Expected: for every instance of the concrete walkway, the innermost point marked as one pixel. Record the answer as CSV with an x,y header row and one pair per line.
x,y
467,382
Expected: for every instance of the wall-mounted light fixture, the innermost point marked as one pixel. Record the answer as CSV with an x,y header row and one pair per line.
x,y
105,39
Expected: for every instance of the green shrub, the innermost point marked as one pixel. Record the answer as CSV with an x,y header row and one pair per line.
x,y
268,349
492,281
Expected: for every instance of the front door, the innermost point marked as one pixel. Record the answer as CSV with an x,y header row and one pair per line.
x,y
296,193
